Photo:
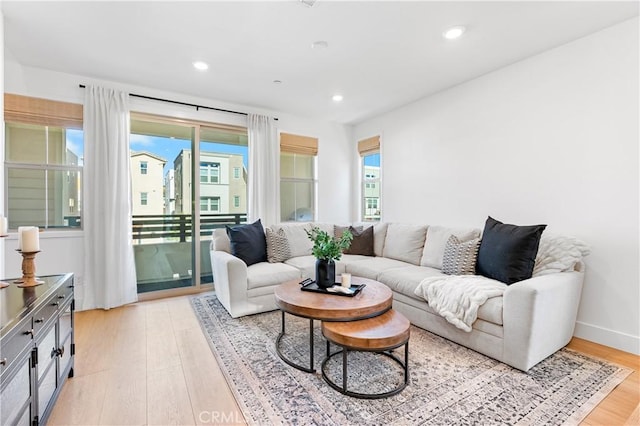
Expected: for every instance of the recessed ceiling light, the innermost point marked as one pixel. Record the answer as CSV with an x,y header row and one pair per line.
x,y
200,66
337,97
454,32
319,45
277,81
308,3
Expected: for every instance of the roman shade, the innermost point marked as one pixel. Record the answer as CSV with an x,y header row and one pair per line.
x,y
369,146
296,144
44,112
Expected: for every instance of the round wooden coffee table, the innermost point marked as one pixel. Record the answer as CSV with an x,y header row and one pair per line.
x,y
375,299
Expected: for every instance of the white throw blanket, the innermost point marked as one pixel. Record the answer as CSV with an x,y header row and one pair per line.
x,y
457,298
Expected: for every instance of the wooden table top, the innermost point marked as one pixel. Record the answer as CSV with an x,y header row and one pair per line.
x,y
388,330
375,299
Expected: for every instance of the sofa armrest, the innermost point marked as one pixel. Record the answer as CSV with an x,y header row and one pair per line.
x,y
539,316
229,280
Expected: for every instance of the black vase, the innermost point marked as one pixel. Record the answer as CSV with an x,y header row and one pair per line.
x,y
325,273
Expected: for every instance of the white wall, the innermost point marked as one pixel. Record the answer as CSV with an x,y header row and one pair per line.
x,y
552,139
62,251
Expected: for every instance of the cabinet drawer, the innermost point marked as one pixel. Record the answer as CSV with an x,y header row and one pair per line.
x,y
64,293
15,395
14,344
44,316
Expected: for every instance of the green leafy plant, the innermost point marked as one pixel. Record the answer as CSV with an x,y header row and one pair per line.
x,y
327,247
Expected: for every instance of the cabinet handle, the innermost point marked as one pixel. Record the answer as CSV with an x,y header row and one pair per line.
x,y
29,332
61,297
55,304
57,352
39,320
3,361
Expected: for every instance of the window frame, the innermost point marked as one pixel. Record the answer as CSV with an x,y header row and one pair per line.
x,y
368,181
46,167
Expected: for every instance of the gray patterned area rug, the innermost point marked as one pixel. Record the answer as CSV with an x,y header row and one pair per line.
x,y
449,384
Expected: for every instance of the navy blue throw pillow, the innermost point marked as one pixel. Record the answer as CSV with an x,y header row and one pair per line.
x,y
248,242
508,252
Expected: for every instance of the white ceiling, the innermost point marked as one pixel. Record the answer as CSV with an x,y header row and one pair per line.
x,y
381,54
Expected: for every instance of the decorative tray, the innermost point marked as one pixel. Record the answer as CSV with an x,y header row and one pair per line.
x,y
312,286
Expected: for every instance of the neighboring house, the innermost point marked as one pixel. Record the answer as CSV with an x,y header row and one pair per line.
x,y
147,183
222,179
169,192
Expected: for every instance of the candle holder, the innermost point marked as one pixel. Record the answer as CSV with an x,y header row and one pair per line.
x,y
29,278
4,284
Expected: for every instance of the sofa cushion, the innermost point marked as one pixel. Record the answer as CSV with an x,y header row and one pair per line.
x,y
277,246
372,267
220,240
299,242
437,237
248,242
460,256
404,242
265,274
405,280
508,252
306,265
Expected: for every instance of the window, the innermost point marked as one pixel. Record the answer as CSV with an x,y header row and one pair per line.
x,y
143,198
236,201
369,150
297,177
43,162
210,204
209,172
236,172
143,167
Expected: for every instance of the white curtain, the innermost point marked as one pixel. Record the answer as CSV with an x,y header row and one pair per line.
x,y
109,266
264,171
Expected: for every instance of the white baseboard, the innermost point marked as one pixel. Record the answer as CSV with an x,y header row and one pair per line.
x,y
604,336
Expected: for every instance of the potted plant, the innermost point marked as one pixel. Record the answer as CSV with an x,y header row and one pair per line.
x,y
327,249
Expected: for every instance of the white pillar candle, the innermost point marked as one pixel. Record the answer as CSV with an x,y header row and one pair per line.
x,y
29,239
4,226
346,280
20,229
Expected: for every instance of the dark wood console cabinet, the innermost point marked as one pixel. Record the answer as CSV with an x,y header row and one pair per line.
x,y
36,348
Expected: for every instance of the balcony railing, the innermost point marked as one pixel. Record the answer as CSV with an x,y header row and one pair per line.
x,y
178,227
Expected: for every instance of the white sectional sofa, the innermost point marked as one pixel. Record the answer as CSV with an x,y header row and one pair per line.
x,y
533,319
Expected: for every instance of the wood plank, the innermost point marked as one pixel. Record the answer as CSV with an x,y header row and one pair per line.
x,y
168,400
80,401
125,400
202,372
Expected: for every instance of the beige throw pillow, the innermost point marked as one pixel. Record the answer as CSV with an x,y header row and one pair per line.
x,y
277,246
460,256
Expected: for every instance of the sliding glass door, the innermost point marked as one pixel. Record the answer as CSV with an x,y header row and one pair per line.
x,y
167,158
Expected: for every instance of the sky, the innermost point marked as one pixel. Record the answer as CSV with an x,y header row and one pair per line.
x,y
166,148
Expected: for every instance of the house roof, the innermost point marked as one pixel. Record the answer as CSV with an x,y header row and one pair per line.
x,y
148,154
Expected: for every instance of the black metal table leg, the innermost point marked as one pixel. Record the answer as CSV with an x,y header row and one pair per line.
x,y
288,361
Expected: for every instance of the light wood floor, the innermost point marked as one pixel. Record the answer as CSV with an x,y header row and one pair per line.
x,y
149,363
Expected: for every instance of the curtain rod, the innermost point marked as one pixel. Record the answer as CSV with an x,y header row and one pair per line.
x,y
197,107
